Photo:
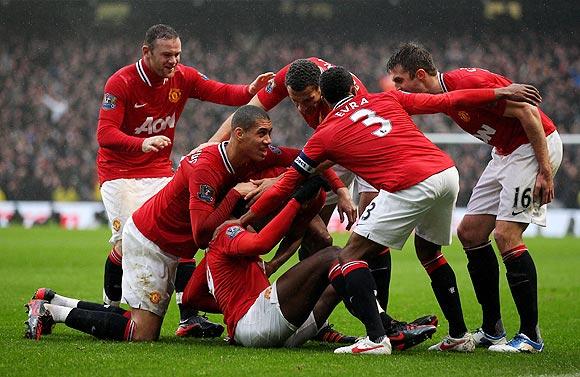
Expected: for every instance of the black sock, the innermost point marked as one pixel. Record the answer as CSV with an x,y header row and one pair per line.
x,y
360,288
113,277
484,272
185,268
445,289
380,267
339,284
103,325
522,279
86,305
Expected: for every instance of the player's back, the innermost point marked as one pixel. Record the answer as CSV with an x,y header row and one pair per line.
x,y
373,136
488,123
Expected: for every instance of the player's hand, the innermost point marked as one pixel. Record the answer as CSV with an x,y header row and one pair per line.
x,y
346,207
260,82
520,93
544,188
203,145
155,143
261,186
309,189
244,188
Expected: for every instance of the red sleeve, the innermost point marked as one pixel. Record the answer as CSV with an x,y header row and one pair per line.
x,y
278,193
205,89
204,224
273,93
279,156
111,115
248,243
424,103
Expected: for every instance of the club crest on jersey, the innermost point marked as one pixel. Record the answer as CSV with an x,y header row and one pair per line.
x,y
464,116
155,297
233,231
206,193
275,149
116,224
109,101
174,95
270,86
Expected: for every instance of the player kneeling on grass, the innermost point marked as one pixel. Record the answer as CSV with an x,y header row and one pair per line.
x,y
257,313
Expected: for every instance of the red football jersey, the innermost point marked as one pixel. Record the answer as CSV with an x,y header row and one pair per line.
x,y
375,137
276,91
487,123
203,184
235,272
138,104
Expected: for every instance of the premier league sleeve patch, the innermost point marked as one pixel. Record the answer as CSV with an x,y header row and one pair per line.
x,y
270,86
233,231
275,149
206,193
109,101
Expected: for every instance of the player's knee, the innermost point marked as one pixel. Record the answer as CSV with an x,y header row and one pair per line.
x,y
147,326
506,239
470,236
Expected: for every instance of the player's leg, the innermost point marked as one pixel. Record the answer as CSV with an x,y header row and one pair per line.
x,y
517,209
474,233
101,321
148,298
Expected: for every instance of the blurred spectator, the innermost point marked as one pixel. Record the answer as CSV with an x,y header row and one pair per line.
x,y
51,96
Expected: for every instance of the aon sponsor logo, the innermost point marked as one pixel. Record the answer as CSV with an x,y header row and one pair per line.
x,y
151,126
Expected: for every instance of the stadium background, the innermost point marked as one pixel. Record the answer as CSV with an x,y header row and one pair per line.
x,y
55,57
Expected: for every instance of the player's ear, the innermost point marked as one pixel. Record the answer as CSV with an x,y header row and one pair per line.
x,y
145,49
421,74
353,90
238,133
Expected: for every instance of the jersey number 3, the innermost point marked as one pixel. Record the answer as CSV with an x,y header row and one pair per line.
x,y
371,120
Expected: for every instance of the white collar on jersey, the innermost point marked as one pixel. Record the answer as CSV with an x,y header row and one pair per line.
x,y
442,82
227,163
342,101
141,72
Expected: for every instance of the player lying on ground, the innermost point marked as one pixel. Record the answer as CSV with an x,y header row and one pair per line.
x,y
299,81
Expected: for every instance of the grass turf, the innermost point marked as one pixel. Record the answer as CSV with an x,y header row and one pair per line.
x,y
71,262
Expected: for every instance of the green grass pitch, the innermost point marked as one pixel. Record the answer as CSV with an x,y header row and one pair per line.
x,y
71,262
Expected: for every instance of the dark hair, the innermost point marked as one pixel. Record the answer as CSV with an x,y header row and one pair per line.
x,y
335,84
302,74
412,56
159,31
246,116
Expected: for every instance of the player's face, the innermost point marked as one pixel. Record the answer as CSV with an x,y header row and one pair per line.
x,y
163,57
306,101
403,81
257,139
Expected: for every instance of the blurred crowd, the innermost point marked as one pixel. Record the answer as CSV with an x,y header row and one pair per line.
x,y
52,91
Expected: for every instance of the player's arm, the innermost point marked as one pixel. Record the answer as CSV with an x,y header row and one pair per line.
x,y
423,103
204,214
223,133
260,243
111,116
529,117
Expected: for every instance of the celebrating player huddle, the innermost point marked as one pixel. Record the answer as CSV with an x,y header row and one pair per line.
x,y
239,195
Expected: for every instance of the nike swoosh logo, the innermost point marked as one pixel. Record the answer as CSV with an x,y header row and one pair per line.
x,y
139,105
445,347
514,213
361,350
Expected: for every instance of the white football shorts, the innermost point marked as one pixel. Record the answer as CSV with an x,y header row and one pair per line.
x,y
426,207
264,325
505,189
148,272
122,197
